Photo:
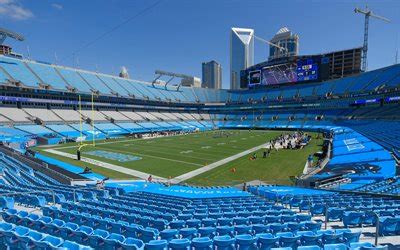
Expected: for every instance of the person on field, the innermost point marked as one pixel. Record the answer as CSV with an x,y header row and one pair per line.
x,y
87,170
310,160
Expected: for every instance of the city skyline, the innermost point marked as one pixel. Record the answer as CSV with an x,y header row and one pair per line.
x,y
147,43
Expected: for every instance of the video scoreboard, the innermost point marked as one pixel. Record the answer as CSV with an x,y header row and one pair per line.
x,y
297,70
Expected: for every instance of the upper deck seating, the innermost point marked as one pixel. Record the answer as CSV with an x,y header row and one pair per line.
x,y
189,94
390,78
136,89
74,79
200,94
48,74
95,82
362,81
18,71
113,85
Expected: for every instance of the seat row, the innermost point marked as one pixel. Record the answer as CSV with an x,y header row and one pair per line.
x,y
245,217
59,229
293,221
125,226
284,241
20,237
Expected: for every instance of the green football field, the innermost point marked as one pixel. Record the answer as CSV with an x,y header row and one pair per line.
x,y
170,157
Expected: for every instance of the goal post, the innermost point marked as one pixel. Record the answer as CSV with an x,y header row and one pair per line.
x,y
82,143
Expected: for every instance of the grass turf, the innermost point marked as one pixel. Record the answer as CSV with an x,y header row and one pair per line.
x,y
275,169
169,156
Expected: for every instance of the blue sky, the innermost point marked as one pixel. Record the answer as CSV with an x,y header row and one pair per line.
x,y
178,35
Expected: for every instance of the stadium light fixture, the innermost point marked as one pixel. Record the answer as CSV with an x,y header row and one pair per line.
x,y
4,33
172,75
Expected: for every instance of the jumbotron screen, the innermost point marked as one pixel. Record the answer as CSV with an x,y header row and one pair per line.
x,y
301,71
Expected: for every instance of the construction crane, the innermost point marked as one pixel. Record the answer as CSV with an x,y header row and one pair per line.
x,y
272,44
367,13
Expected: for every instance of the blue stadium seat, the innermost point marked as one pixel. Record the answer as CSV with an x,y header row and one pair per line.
x,y
148,234
245,241
14,240
315,247
98,237
114,241
335,247
209,232
82,234
358,245
351,237
202,243
132,244
49,242
224,242
169,234
6,203
31,239
183,244
267,241
157,245
389,226
351,218
188,233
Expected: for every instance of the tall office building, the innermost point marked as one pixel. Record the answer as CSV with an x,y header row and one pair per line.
x,y
286,39
211,75
241,53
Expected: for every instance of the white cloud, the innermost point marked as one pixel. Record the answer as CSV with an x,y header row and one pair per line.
x,y
57,6
12,9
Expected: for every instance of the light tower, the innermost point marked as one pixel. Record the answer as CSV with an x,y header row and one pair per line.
x,y
367,13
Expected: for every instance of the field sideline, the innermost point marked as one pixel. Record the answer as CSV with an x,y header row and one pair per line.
x,y
173,156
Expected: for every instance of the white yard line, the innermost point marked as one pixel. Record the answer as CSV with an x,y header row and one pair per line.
x,y
110,166
216,164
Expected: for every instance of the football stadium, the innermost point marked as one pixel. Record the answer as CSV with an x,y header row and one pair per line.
x,y
301,152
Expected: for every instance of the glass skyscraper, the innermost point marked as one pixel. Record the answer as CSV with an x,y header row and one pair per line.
x,y
211,75
286,39
241,53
